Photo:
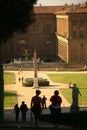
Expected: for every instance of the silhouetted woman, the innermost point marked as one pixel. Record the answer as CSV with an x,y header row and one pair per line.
x,y
56,107
36,103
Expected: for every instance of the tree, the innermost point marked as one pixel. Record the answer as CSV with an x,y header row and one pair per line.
x,y
15,17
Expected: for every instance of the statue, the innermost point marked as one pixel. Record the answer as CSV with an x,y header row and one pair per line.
x,y
75,94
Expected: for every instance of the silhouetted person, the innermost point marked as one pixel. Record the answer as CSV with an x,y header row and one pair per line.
x,y
22,79
44,101
19,79
75,94
55,107
23,109
36,103
16,110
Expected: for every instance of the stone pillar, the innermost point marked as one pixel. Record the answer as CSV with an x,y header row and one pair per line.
x,y
35,85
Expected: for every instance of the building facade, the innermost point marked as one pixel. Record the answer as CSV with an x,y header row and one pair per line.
x,y
72,33
58,32
40,36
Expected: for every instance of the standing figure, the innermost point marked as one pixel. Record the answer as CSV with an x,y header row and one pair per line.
x,y
75,94
16,110
23,109
22,79
44,101
19,79
55,107
36,103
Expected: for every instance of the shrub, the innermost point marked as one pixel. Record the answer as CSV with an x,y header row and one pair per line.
x,y
30,81
27,84
43,83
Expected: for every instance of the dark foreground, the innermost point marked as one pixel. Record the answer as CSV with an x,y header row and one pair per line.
x,y
30,126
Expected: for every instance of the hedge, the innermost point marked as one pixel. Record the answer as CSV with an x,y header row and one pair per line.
x,y
30,81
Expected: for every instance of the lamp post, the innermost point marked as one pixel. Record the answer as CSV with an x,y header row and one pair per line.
x,y
35,85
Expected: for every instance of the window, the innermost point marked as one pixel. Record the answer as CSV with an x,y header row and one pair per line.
x,y
81,31
74,30
47,27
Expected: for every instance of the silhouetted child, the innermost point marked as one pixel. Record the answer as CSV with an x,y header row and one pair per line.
x,y
44,101
16,110
23,109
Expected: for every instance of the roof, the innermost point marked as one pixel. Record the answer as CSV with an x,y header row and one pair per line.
x,y
63,9
82,10
46,9
79,10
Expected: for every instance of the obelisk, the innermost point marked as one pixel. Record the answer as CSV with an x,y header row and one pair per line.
x,y
35,85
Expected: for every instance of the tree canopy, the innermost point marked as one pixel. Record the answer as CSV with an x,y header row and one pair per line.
x,y
15,16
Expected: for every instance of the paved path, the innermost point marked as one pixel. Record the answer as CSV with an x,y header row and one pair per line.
x,y
25,93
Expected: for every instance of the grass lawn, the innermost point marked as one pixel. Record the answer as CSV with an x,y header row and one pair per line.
x,y
10,99
79,78
9,78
